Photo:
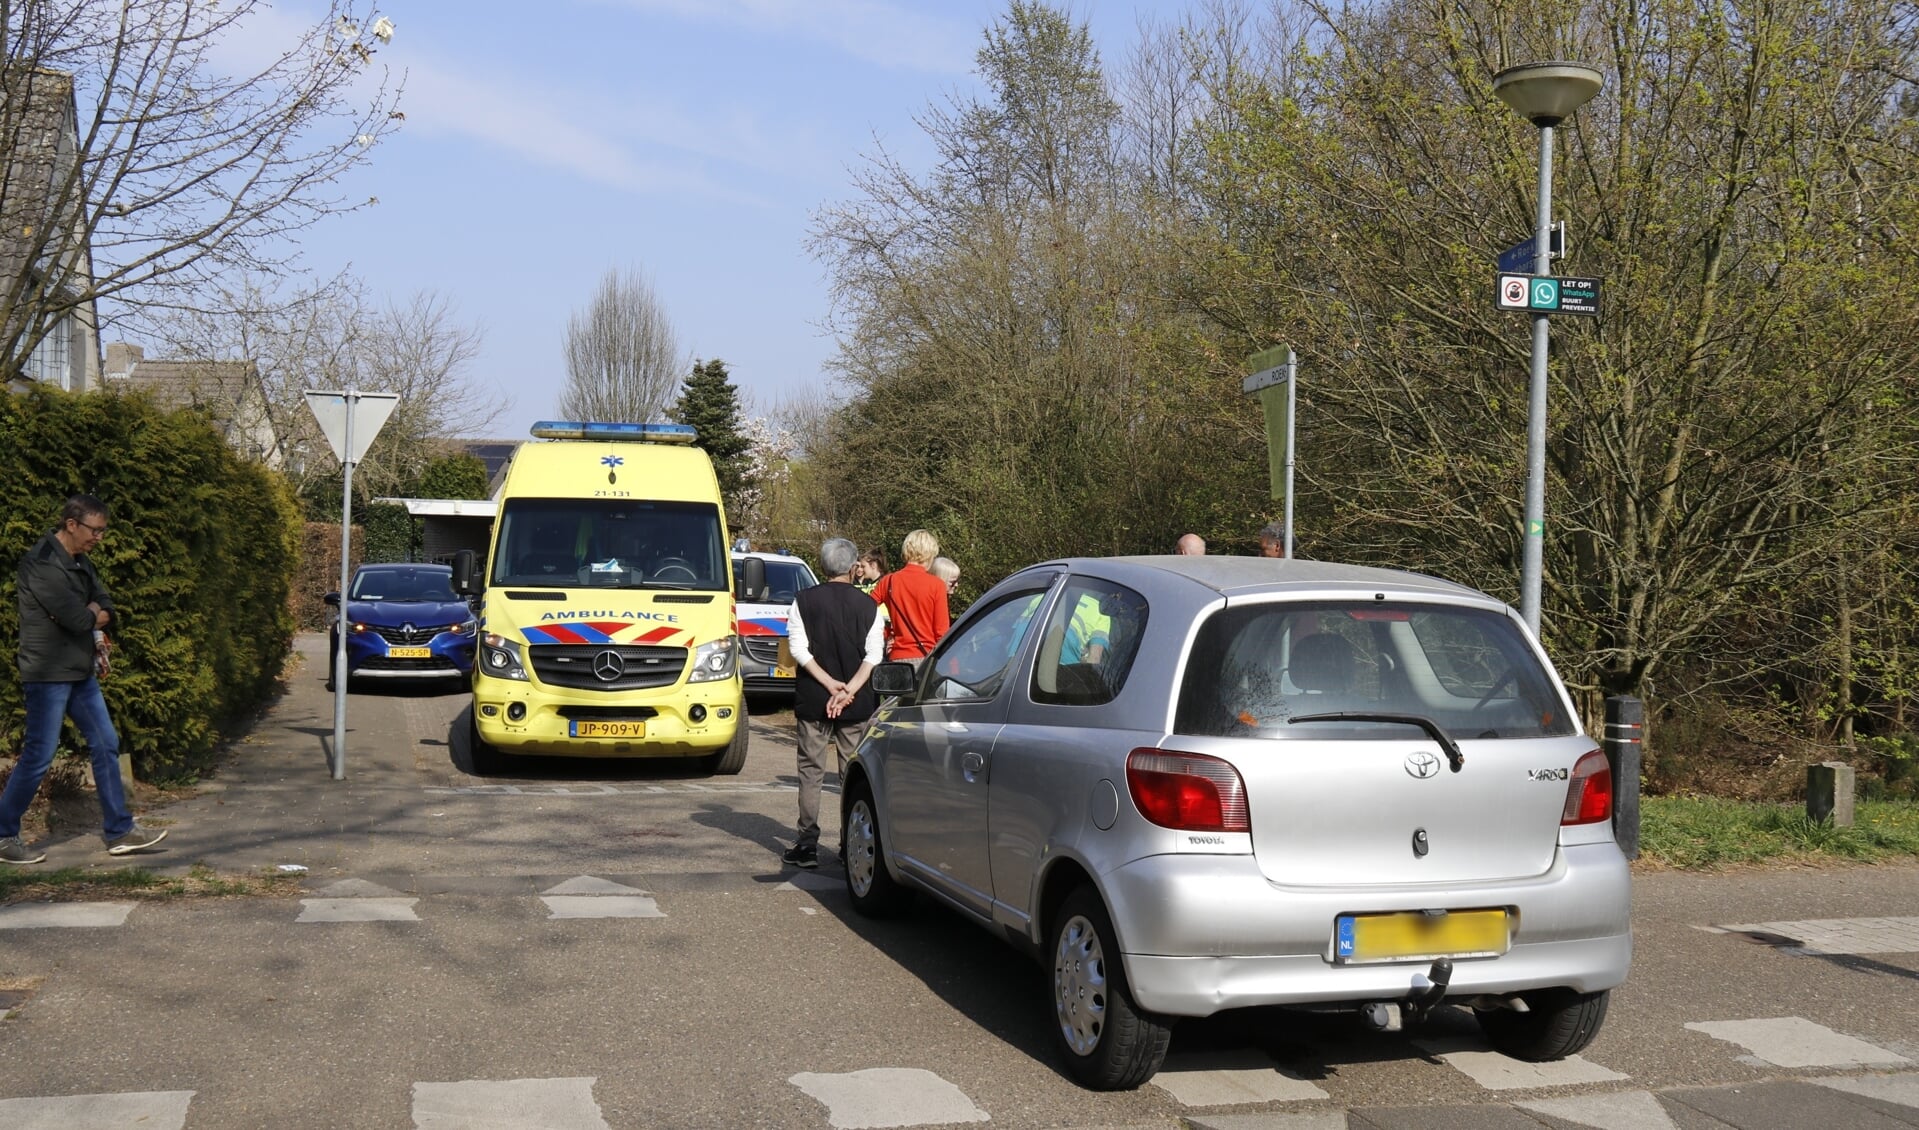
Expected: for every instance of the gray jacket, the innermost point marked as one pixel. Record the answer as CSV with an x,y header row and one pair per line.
x,y
56,626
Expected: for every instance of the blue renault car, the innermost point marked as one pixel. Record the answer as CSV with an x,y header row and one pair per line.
x,y
402,621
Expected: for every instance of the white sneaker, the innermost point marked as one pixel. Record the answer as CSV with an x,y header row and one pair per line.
x,y
134,839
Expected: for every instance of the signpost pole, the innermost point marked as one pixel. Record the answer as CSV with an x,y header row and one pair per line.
x,y
1534,541
335,412
346,572
1269,369
1292,403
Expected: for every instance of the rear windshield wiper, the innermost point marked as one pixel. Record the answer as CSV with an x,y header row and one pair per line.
x,y
1453,753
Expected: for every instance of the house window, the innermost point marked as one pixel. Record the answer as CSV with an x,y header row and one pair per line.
x,y
48,364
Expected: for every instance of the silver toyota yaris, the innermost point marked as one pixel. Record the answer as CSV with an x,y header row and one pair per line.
x,y
1192,784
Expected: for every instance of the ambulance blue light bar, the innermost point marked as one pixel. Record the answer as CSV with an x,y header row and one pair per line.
x,y
628,433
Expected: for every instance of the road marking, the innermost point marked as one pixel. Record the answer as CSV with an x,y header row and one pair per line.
x,y
812,881
1229,1078
508,1104
589,896
39,916
1497,1072
1839,935
357,910
888,1096
1792,1041
1621,1110
1900,1090
593,885
356,888
149,1110
1324,1120
601,906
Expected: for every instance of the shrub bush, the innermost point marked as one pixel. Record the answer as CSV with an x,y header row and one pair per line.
x,y
389,532
200,563
320,572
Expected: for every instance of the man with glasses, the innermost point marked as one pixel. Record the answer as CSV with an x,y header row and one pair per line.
x,y
64,613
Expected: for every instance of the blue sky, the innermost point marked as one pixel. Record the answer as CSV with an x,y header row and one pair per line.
x,y
689,139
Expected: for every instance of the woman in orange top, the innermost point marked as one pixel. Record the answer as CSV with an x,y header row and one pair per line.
x,y
915,601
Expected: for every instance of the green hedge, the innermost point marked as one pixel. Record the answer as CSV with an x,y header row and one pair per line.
x,y
389,532
200,562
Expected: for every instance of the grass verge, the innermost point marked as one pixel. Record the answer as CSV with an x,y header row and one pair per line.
x,y
1706,834
75,884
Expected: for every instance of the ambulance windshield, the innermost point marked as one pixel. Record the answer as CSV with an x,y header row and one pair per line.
x,y
610,543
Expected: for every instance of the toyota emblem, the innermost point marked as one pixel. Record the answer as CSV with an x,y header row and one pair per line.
x,y
1421,764
609,666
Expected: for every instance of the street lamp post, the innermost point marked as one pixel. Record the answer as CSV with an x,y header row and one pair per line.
x,y
1545,94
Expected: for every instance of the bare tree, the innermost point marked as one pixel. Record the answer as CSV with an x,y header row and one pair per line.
x,y
139,170
623,360
335,336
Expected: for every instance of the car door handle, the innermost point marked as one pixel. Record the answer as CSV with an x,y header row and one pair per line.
x,y
971,763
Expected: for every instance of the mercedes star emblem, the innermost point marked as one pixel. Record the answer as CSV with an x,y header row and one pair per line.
x,y
609,666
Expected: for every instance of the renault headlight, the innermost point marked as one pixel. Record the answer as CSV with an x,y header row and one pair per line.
x,y
713,661
500,658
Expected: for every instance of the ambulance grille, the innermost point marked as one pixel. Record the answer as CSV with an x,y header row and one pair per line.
x,y
584,667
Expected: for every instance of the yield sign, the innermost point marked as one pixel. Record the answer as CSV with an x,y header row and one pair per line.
x,y
369,411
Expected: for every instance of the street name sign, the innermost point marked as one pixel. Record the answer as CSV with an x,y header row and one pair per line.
x,y
1518,259
1548,294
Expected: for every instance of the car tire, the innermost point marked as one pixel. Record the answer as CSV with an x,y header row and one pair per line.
x,y
483,758
874,891
1107,1041
729,761
1557,1023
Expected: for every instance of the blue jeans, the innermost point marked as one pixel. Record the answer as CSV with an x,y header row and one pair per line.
x,y
46,704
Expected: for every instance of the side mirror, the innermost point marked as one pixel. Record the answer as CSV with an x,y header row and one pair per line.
x,y
464,581
895,678
332,598
752,580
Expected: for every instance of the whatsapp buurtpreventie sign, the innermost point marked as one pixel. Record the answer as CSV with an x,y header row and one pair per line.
x,y
1548,294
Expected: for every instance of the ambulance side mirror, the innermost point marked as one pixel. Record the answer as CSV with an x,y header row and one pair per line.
x,y
465,582
752,580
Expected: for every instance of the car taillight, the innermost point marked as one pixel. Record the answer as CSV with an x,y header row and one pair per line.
x,y
1188,791
1589,793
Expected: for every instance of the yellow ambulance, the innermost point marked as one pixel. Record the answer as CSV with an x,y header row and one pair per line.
x,y
607,626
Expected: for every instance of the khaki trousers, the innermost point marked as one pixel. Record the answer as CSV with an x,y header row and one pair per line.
x,y
814,738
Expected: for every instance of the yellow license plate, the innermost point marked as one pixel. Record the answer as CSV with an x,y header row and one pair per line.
x,y
410,652
1417,936
607,729
783,672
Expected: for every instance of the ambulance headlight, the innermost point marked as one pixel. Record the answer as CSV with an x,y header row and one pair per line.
x,y
713,661
500,658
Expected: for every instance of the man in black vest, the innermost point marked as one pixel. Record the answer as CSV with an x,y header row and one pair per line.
x,y
834,635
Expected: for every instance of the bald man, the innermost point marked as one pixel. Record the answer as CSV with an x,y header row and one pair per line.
x,y
1191,545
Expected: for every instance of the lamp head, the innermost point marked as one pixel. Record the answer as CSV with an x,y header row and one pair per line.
x,y
1545,94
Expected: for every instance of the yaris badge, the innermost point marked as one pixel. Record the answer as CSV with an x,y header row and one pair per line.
x,y
1422,765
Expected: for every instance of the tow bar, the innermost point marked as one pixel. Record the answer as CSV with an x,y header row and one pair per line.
x,y
1391,1016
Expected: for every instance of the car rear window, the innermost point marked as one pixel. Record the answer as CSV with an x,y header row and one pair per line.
x,y
1254,668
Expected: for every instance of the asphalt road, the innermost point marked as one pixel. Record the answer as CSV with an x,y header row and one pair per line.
x,y
588,944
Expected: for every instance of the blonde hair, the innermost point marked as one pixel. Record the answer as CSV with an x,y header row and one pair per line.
x,y
920,547
945,568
